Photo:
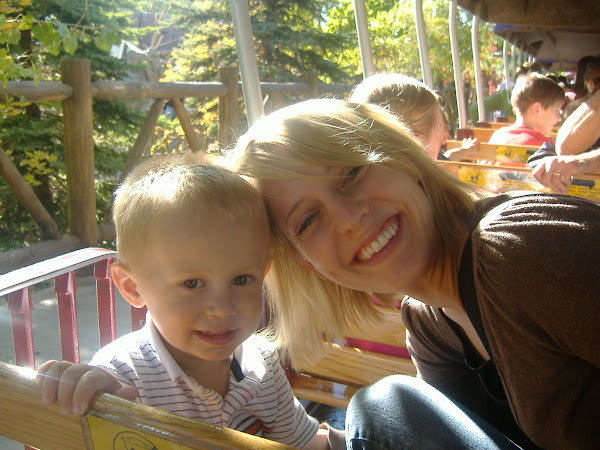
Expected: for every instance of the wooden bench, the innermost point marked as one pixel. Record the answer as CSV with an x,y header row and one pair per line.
x,y
332,381
504,178
514,154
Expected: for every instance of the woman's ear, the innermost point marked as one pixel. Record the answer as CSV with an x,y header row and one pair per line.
x,y
126,284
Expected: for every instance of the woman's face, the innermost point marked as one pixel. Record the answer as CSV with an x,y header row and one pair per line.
x,y
368,228
437,136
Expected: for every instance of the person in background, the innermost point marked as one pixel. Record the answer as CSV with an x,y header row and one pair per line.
x,y
577,147
193,246
579,88
419,108
536,101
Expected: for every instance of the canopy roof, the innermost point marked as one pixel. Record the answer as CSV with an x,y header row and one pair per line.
x,y
554,31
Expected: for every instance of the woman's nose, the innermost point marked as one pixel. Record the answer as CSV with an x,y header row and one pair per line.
x,y
347,213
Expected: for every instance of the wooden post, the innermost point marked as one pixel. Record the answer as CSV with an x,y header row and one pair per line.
x,y
144,138
27,197
229,106
186,124
79,150
312,80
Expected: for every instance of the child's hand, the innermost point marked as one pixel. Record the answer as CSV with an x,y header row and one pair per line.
x,y
468,150
74,385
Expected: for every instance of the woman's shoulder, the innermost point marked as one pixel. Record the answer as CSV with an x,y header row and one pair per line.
x,y
535,209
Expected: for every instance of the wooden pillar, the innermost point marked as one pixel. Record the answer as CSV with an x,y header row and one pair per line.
x,y
229,106
186,125
27,197
79,150
312,80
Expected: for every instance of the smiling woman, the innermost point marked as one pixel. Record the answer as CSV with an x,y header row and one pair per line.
x,y
357,209
329,172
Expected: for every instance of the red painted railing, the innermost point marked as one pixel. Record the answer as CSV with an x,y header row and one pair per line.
x,y
62,269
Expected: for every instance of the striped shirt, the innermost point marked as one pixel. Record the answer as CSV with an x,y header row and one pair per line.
x,y
259,401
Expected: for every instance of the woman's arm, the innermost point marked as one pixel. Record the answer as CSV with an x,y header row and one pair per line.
x,y
581,129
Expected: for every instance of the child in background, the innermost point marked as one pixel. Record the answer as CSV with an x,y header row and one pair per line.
x,y
537,101
193,247
416,106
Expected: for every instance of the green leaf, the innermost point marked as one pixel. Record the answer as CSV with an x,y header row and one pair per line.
x,y
62,30
3,37
27,22
103,43
70,44
14,36
48,37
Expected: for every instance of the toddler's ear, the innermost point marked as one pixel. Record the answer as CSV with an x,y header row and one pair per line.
x,y
310,267
267,268
126,284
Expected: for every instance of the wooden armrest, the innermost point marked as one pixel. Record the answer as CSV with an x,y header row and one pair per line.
x,y
25,419
390,330
355,367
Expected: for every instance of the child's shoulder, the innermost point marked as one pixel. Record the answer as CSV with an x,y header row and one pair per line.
x,y
133,342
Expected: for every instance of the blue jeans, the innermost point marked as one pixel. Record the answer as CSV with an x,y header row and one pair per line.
x,y
402,412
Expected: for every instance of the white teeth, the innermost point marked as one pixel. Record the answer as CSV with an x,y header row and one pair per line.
x,y
378,243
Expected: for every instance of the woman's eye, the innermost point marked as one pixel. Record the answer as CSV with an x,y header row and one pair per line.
x,y
242,280
192,284
351,175
306,223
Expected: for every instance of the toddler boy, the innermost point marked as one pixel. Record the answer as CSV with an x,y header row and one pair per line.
x,y
193,247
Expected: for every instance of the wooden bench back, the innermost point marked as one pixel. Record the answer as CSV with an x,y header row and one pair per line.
x,y
502,179
518,154
110,422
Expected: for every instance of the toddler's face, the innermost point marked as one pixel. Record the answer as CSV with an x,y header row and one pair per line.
x,y
202,283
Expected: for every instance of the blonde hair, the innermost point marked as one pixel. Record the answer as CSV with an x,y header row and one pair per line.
x,y
167,184
307,309
408,98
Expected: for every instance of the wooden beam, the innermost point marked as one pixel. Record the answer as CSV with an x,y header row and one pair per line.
x,y
25,419
79,150
27,197
40,91
186,124
110,90
229,106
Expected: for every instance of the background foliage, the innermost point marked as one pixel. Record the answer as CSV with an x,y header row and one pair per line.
x,y
185,40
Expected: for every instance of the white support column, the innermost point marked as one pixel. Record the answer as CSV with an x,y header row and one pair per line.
x,y
422,42
364,43
247,60
477,69
458,81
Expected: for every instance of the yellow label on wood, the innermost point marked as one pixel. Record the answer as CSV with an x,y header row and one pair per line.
x,y
510,154
106,434
499,180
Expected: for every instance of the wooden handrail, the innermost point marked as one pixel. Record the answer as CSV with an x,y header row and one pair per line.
x,y
25,419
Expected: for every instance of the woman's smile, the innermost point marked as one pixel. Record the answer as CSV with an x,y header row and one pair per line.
x,y
381,241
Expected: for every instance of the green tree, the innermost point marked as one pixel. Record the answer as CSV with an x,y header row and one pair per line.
x,y
289,37
32,132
